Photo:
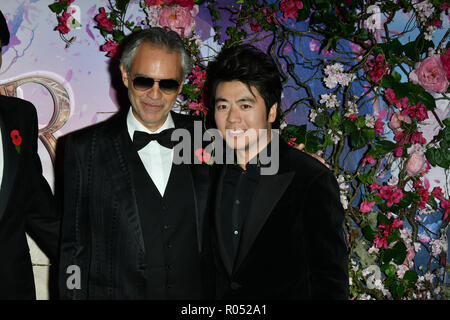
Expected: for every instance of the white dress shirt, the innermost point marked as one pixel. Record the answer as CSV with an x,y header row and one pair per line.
x,y
157,159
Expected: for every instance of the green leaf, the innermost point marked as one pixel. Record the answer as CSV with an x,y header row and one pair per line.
x,y
312,143
199,2
399,252
321,119
304,13
358,140
369,232
382,147
336,118
293,131
361,122
430,154
58,7
411,278
369,133
388,81
122,4
446,122
388,269
349,126
397,289
427,99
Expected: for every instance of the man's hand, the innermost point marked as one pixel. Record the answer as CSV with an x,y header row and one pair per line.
x,y
301,146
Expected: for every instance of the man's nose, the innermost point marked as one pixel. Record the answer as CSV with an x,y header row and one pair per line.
x,y
154,92
234,115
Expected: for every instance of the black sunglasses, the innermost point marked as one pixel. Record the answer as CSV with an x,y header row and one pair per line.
x,y
166,85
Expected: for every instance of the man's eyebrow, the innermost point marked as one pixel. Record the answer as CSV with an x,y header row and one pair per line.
x,y
243,99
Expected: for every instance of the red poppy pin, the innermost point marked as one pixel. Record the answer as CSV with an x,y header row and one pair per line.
x,y
16,139
202,155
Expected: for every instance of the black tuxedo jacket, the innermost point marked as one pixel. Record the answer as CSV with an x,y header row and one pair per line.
x,y
26,201
101,229
292,245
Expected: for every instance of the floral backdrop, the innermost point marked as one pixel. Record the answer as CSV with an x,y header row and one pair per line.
x,y
366,86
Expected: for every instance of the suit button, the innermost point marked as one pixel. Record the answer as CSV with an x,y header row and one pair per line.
x,y
235,285
166,227
169,245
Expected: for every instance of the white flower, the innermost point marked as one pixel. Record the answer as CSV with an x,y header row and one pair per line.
x,y
344,201
330,100
335,75
373,250
429,277
417,246
393,181
313,115
352,108
438,246
401,270
370,121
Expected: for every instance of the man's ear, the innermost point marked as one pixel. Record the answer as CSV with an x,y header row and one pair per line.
x,y
125,76
181,86
272,113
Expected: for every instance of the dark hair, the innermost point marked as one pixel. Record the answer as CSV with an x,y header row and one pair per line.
x,y
249,65
165,38
4,31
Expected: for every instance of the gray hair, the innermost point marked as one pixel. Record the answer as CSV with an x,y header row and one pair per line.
x,y
164,38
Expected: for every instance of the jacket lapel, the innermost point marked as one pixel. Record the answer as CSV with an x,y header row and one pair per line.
x,y
116,148
267,194
10,161
200,177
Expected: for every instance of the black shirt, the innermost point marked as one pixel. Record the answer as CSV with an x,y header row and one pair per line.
x,y
238,188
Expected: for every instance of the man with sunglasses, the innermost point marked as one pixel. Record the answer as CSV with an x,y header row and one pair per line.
x,y
133,220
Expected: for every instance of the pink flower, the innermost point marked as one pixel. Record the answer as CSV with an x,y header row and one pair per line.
x,y
290,8
366,206
437,193
417,137
64,22
445,6
198,107
368,159
103,21
418,111
430,74
445,60
198,77
390,193
378,69
415,163
396,120
185,3
178,19
111,47
270,15
398,151
291,142
379,126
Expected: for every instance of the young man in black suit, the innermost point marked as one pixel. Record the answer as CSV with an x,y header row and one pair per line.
x,y
133,219
26,200
278,233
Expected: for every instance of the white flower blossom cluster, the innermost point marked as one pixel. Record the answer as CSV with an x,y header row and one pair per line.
x,y
152,13
374,21
335,75
439,245
335,137
424,10
330,100
370,121
344,189
313,114
352,108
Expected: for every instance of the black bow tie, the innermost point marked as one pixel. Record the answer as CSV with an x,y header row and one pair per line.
x,y
141,139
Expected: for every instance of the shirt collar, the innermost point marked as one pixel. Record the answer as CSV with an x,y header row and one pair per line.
x,y
134,125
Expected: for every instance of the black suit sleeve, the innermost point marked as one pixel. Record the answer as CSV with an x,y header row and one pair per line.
x,y
74,248
42,222
326,248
